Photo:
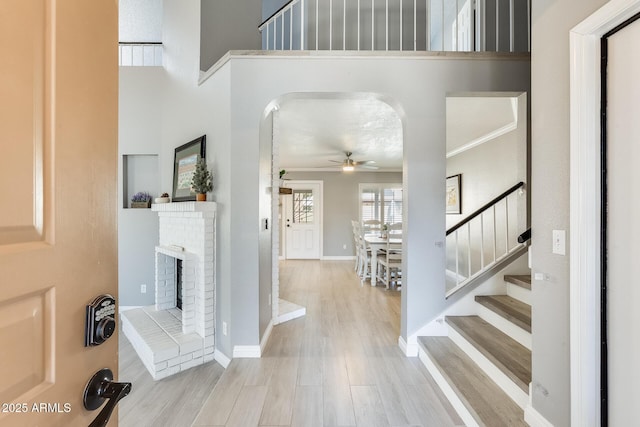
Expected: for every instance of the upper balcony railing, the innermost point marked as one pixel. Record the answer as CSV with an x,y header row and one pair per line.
x,y
400,25
140,54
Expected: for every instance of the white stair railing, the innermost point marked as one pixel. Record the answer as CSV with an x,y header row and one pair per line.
x,y
484,239
400,25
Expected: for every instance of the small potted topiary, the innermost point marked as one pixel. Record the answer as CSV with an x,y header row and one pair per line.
x,y
201,181
141,199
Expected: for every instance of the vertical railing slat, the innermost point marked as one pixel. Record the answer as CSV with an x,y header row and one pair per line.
x,y
317,22
427,24
330,24
415,26
469,247
386,24
497,25
344,24
457,261
373,37
302,26
291,29
401,19
494,234
506,224
442,27
358,37
457,33
482,240
511,26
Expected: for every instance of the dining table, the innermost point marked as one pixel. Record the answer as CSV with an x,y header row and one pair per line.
x,y
378,243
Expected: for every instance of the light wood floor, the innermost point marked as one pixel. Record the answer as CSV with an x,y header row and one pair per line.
x,y
339,365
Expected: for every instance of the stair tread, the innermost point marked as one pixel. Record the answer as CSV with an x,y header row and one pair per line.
x,y
511,357
510,308
522,280
486,402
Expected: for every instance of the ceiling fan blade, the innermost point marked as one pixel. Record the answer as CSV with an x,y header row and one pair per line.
x,y
367,167
363,162
337,161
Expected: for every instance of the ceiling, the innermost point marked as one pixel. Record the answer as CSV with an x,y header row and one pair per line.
x,y
313,132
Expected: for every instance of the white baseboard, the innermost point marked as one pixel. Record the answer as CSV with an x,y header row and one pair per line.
x,y
534,418
338,258
410,349
266,336
246,351
221,358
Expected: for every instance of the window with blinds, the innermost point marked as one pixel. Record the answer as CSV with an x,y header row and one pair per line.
x,y
382,202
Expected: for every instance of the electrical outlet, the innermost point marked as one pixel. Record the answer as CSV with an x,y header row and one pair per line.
x,y
269,299
143,289
344,246
224,328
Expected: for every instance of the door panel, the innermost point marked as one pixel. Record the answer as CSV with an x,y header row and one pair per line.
x,y
58,106
303,220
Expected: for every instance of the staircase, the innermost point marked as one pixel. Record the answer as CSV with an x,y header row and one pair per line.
x,y
484,365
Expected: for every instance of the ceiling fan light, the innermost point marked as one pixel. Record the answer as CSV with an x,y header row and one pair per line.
x,y
347,168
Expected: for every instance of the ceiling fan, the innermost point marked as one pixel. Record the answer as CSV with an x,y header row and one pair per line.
x,y
349,164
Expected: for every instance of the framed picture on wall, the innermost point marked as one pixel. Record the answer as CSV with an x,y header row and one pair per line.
x,y
184,165
454,194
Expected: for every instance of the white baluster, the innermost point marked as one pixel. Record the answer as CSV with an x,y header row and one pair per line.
x,y
512,19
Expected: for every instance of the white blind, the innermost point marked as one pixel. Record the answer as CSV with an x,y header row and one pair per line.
x,y
382,202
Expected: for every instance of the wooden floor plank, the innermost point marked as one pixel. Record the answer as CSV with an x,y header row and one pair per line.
x,y
308,408
248,407
368,407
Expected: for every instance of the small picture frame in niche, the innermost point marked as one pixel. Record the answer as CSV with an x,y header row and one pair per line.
x,y
454,194
184,165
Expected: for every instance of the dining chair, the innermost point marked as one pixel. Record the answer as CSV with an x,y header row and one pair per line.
x,y
390,265
356,231
364,270
371,226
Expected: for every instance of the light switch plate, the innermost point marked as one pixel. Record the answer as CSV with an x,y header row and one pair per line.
x,y
559,240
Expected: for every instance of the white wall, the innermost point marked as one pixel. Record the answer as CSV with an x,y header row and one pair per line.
x,y
139,113
424,166
551,23
140,20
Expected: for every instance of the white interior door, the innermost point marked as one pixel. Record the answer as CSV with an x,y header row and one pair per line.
x,y
623,212
303,220
58,139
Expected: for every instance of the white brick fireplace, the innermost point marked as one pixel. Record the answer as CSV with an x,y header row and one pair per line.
x,y
167,339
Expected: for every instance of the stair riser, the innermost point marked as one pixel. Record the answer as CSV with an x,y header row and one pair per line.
x,y
519,293
515,332
448,391
503,381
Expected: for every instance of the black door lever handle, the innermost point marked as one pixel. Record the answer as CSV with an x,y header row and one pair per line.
x,y
100,388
